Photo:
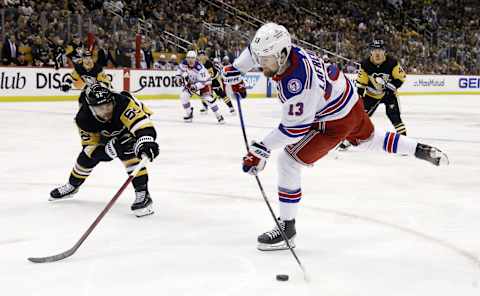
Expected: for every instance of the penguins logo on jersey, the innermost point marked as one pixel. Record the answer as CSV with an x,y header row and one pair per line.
x,y
89,80
294,85
107,134
376,76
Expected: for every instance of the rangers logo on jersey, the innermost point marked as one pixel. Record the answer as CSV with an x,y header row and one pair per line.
x,y
294,85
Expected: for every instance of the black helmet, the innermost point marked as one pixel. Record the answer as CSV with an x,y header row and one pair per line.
x,y
98,95
377,44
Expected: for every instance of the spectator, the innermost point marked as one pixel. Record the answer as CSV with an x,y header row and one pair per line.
x,y
10,51
147,55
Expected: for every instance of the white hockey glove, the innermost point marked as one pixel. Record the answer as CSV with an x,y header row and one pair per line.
x,y
386,84
256,158
231,75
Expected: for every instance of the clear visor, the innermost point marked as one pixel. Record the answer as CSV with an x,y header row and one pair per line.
x,y
269,61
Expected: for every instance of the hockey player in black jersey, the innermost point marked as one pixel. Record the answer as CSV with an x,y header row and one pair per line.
x,y
74,49
217,84
113,125
84,74
379,78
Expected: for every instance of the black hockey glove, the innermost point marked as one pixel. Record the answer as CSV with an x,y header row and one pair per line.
x,y
147,146
122,148
67,85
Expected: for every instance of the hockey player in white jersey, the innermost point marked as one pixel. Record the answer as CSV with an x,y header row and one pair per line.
x,y
196,80
320,109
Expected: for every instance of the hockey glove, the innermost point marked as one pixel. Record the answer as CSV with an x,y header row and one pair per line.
x,y
122,147
147,146
388,86
240,89
192,87
256,158
111,148
231,75
66,86
178,80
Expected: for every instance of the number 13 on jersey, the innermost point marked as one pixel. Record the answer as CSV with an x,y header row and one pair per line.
x,y
295,109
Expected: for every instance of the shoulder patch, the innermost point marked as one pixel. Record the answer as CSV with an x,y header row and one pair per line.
x,y
297,79
294,85
198,66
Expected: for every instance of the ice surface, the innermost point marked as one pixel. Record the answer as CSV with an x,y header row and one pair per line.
x,y
369,224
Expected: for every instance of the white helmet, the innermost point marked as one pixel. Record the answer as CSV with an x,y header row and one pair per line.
x,y
191,54
271,39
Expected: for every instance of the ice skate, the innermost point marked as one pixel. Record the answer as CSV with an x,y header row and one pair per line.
x,y
63,192
204,109
272,240
431,154
189,116
142,206
220,119
344,146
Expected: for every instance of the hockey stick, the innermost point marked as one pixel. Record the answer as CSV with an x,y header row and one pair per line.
x,y
284,236
72,251
185,83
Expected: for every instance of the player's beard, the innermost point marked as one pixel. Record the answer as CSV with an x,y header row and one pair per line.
x,y
269,72
107,116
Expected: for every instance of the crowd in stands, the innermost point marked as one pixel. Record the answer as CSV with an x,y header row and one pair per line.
x,y
427,36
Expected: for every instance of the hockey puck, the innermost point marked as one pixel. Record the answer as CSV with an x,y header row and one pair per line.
x,y
282,277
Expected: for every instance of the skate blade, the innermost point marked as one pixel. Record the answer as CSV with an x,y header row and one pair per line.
x,y
188,120
444,160
276,247
143,212
62,198
203,112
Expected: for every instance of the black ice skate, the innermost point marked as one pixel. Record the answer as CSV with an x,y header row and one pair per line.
x,y
232,112
431,154
272,240
344,146
220,119
204,111
189,116
142,206
63,192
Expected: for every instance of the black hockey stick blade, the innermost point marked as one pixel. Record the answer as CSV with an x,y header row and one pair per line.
x,y
73,249
53,258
